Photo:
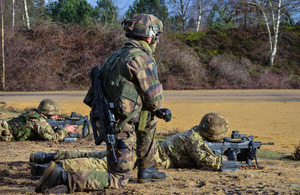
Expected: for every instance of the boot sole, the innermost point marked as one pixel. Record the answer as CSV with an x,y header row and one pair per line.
x,y
45,175
149,180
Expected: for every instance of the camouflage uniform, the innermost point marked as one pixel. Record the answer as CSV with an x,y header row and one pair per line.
x,y
135,64
186,150
29,126
183,150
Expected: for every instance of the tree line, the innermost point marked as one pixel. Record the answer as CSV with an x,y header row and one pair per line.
x,y
177,16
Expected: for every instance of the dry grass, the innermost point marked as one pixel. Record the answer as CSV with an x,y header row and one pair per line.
x,y
54,56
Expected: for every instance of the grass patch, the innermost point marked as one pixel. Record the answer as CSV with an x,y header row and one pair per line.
x,y
270,154
9,112
277,156
163,136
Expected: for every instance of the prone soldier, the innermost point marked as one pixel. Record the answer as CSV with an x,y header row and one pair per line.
x,y
33,125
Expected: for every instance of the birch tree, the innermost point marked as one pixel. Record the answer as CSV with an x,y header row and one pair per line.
x,y
180,7
271,14
26,14
13,13
200,7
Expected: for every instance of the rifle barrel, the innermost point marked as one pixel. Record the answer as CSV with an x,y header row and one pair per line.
x,y
269,143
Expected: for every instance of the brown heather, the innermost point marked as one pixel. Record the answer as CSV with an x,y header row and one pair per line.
x,y
53,56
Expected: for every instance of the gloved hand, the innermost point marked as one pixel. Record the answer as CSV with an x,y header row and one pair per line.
x,y
164,113
230,154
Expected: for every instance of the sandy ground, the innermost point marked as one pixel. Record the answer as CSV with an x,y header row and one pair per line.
x,y
269,115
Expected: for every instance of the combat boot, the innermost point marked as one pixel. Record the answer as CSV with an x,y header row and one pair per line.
x,y
38,169
150,174
53,176
41,157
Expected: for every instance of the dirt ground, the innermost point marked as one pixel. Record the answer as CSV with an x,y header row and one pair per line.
x,y
269,115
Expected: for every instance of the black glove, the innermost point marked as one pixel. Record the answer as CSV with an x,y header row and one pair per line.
x,y
164,113
230,154
246,154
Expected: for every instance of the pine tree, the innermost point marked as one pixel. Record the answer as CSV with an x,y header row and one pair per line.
x,y
71,11
106,12
157,8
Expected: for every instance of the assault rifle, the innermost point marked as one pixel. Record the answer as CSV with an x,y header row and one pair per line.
x,y
74,119
240,150
103,112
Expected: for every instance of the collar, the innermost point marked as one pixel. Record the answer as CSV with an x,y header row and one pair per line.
x,y
142,44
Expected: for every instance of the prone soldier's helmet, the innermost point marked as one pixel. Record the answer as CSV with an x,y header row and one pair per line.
x,y
142,26
49,107
213,126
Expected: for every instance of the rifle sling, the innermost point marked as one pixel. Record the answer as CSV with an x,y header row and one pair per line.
x,y
121,125
143,120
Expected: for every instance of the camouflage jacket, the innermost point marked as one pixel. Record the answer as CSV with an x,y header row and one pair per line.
x,y
135,64
32,125
144,72
187,149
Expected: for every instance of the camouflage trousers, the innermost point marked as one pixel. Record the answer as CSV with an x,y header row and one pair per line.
x,y
89,170
5,134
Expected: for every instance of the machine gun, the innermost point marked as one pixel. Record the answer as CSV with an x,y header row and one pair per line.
x,y
74,119
240,150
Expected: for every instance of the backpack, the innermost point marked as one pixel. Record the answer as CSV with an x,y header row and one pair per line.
x,y
119,87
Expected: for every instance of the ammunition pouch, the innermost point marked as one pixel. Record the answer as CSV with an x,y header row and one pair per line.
x,y
128,101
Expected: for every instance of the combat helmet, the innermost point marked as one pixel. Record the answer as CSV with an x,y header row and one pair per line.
x,y
213,126
142,25
49,107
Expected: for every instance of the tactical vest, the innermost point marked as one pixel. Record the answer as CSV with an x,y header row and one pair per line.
x,y
119,87
18,126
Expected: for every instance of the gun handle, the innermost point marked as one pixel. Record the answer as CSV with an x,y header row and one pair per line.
x,y
100,139
84,130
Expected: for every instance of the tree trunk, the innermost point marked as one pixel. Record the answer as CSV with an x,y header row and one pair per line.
x,y
276,32
199,6
3,56
13,13
273,38
26,14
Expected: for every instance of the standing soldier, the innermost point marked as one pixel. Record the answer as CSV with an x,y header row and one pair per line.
x,y
130,81
32,125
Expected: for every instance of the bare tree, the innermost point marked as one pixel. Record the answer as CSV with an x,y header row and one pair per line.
x,y
180,8
200,7
271,15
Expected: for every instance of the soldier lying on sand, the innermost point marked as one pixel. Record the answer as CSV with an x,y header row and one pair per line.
x,y
32,125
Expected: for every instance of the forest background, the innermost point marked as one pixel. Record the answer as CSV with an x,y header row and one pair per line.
x,y
207,44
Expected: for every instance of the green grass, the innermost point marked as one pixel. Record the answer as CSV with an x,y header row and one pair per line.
x,y
6,113
270,155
